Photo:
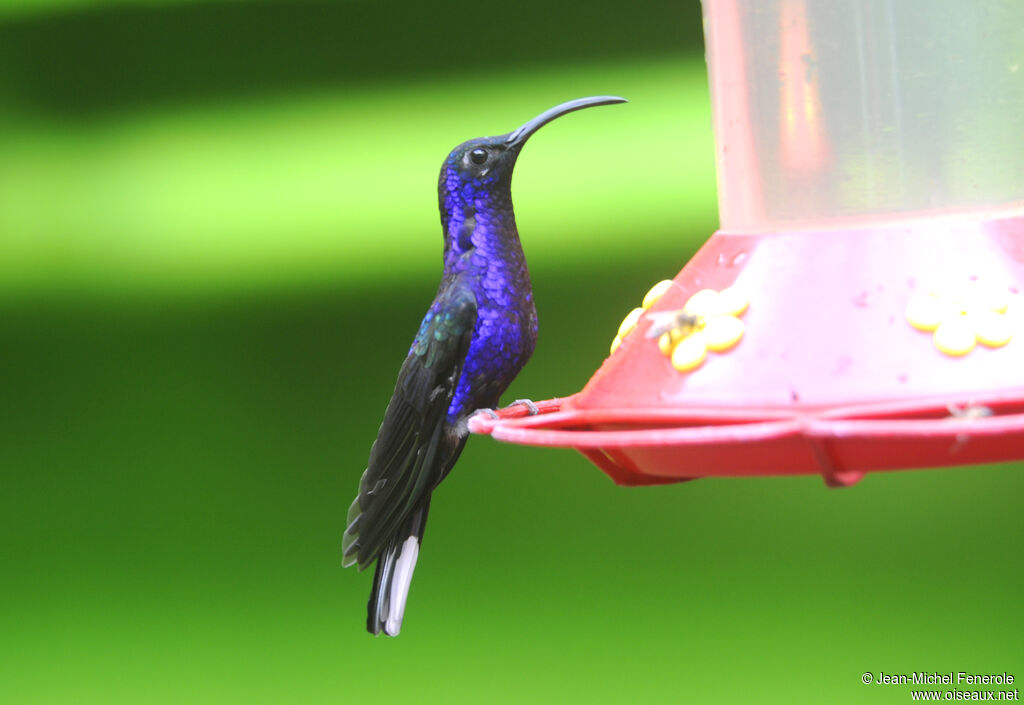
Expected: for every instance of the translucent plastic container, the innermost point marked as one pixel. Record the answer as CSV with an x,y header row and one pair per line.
x,y
832,112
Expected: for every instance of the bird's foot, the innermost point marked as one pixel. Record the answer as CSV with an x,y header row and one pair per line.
x,y
531,407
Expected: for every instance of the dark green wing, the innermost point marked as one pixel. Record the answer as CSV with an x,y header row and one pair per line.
x,y
416,446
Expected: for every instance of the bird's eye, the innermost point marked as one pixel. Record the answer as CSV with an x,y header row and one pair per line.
x,y
479,156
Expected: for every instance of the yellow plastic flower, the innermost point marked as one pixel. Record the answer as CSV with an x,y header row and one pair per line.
x,y
960,317
718,327
709,321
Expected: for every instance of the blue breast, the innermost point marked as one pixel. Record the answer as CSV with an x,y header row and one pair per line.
x,y
483,253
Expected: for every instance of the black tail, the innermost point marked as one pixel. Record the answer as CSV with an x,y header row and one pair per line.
x,y
391,579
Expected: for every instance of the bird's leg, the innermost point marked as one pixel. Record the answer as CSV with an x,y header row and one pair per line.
x,y
489,412
531,407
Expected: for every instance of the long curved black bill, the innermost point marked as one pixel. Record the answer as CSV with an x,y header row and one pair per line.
x,y
518,137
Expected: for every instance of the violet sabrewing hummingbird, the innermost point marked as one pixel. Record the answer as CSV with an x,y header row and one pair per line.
x,y
479,332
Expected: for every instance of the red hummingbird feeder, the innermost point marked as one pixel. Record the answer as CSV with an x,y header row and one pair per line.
x,y
862,306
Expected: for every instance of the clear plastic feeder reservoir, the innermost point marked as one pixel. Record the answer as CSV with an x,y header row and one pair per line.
x,y
861,307
833,113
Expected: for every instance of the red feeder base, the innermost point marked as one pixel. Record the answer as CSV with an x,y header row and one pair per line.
x,y
830,376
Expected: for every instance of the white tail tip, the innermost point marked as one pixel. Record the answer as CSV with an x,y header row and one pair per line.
x,y
400,582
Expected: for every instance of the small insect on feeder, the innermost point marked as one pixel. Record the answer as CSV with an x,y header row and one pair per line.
x,y
862,306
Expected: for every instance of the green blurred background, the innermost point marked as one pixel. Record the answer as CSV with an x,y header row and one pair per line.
x,y
218,232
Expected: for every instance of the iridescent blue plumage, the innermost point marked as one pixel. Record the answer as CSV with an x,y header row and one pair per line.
x,y
479,332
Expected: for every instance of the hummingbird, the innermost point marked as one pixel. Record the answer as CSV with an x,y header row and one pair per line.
x,y
478,333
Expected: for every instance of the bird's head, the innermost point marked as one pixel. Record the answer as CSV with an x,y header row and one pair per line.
x,y
478,173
